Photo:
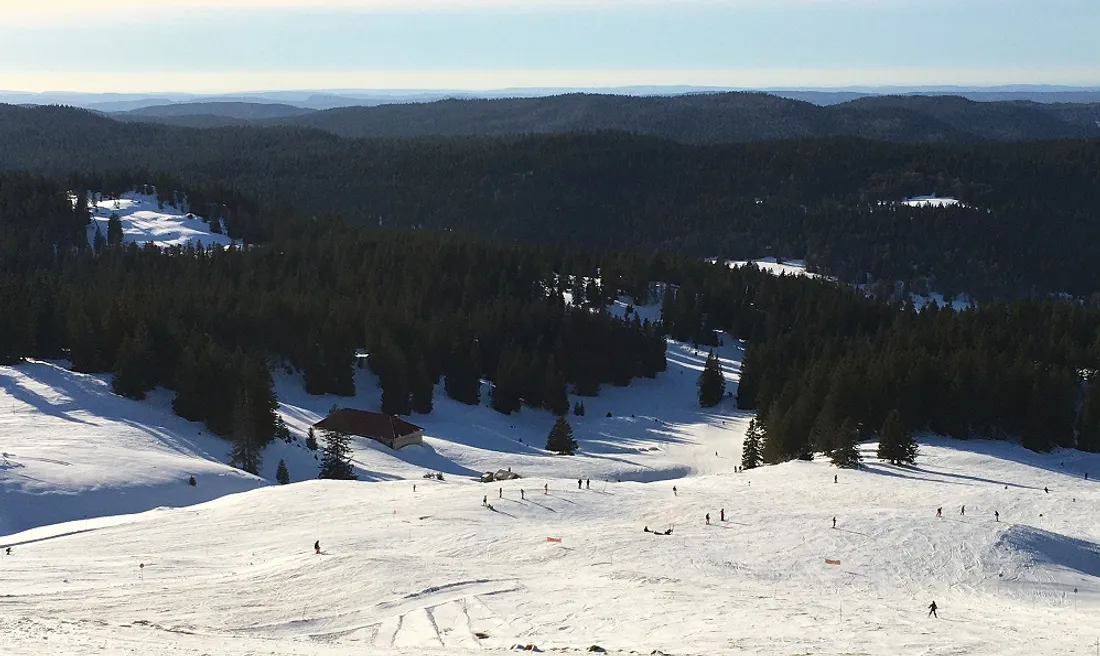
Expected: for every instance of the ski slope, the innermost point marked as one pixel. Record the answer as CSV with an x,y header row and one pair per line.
x,y
424,572
145,221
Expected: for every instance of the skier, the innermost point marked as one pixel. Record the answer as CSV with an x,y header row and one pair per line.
x,y
317,547
546,488
501,493
1046,489
588,483
834,522
7,551
414,487
579,483
962,511
834,478
674,491
485,500
708,519
722,514
996,516
521,495
939,512
932,610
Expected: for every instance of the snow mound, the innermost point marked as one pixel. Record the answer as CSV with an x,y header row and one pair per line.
x,y
71,449
930,201
1028,549
774,267
144,221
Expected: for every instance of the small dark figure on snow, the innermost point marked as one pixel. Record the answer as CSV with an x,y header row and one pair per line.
x,y
674,493
962,511
521,495
191,481
996,516
722,515
588,483
708,519
579,481
546,488
317,547
1046,489
414,487
501,493
932,610
834,478
1086,476
646,529
834,522
485,500
939,512
7,551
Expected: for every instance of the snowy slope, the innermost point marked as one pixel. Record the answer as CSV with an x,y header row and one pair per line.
x,y
71,449
143,221
770,265
930,201
423,572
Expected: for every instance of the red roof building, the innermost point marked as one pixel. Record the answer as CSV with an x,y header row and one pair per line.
x,y
391,430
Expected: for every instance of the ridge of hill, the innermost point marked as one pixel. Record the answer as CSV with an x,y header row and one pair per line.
x,y
688,118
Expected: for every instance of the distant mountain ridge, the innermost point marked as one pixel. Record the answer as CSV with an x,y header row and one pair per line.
x,y
687,118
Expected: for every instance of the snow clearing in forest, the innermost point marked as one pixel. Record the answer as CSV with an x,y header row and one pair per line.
x,y
145,220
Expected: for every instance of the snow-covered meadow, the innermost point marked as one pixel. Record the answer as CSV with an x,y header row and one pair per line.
x,y
144,220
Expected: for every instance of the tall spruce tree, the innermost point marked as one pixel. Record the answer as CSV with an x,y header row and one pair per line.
x,y
896,444
336,460
422,389
282,476
1088,427
134,375
560,440
555,398
114,229
712,385
752,451
846,454
247,453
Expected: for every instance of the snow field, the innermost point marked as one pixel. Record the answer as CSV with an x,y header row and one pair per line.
x,y
143,221
422,572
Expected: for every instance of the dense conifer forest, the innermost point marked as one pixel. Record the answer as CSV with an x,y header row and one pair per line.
x,y
1025,230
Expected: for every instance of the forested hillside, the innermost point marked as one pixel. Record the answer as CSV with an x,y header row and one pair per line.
x,y
688,118
1025,227
445,310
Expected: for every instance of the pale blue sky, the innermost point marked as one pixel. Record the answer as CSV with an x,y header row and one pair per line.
x,y
190,45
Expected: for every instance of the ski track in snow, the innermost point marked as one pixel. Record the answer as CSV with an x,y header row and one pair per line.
x,y
229,566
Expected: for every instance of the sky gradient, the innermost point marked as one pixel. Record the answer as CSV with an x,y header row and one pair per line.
x,y
217,46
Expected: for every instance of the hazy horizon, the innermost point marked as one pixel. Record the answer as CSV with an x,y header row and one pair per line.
x,y
222,47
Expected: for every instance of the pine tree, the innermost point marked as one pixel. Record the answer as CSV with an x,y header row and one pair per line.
x,y
712,385
114,230
555,398
336,460
423,389
560,440
247,453
282,476
1088,427
896,444
846,454
751,452
134,375
311,440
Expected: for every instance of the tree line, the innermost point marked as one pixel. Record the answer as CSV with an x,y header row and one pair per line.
x,y
1024,230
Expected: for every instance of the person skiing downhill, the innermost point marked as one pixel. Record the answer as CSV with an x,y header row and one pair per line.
x,y
932,610
546,488
579,483
588,483
996,516
317,547
962,511
939,512
521,495
708,519
834,522
834,478
674,491
722,514
501,493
